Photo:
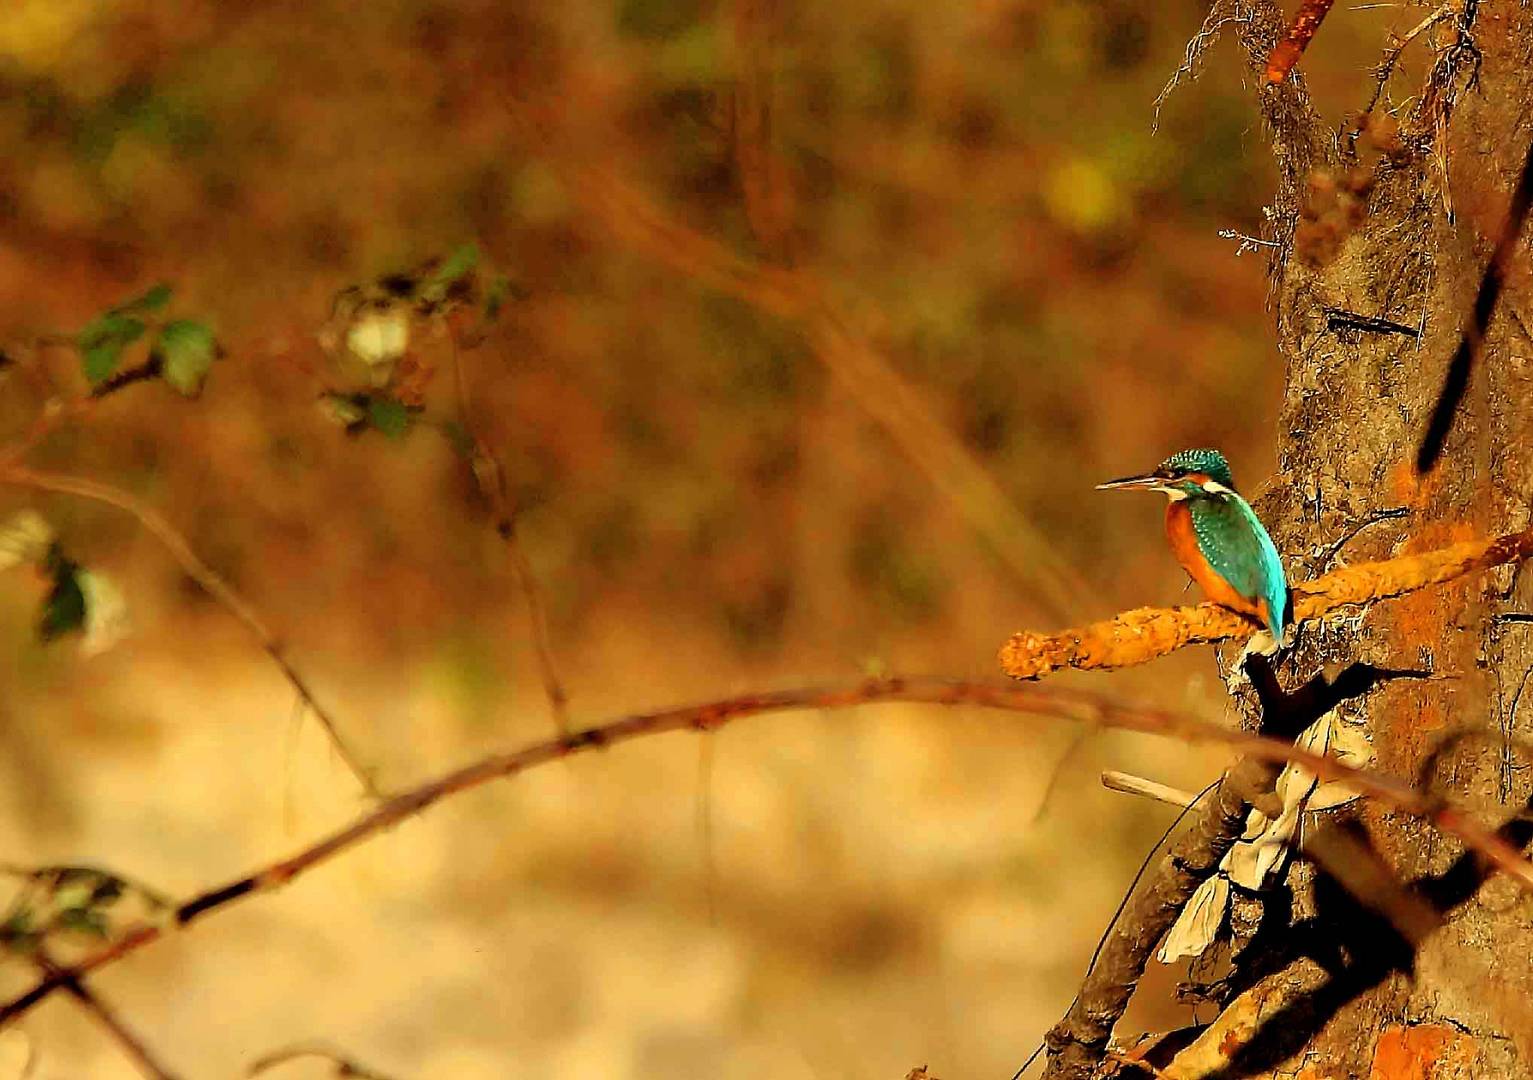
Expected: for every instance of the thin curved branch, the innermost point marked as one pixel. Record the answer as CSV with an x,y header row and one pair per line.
x,y
345,1067
200,572
132,1046
1144,634
490,479
1038,701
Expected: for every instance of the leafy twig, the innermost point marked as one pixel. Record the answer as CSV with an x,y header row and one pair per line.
x,y
1035,700
214,583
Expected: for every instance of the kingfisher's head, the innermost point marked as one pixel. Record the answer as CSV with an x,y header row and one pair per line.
x,y
1188,474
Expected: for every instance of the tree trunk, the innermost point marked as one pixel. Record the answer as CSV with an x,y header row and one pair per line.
x,y
1398,224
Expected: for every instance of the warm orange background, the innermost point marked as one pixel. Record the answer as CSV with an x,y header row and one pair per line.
x,y
710,504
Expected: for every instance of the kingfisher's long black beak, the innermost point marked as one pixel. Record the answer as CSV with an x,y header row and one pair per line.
x,y
1147,482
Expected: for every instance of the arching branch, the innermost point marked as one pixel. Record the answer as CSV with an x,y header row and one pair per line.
x,y
1038,701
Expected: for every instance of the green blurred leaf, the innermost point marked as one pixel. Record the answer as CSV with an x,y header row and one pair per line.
x,y
388,416
84,920
83,886
19,930
495,296
154,299
64,607
460,262
102,341
186,349
458,437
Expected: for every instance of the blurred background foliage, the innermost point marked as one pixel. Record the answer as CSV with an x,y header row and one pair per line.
x,y
977,189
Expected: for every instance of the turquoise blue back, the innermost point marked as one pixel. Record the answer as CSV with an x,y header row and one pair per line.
x,y
1237,546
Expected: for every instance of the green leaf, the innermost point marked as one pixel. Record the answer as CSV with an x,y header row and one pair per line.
x,y
388,416
185,349
460,262
64,606
102,341
153,300
495,296
18,932
84,921
458,437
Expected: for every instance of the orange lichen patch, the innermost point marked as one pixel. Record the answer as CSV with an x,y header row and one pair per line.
x,y
1404,483
1143,634
1285,54
1427,1052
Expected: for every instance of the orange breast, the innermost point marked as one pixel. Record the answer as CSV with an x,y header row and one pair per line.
x,y
1184,545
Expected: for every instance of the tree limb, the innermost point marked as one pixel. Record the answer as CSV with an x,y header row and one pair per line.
x,y
1144,634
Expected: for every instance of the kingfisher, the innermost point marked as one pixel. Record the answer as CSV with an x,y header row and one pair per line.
x,y
1217,537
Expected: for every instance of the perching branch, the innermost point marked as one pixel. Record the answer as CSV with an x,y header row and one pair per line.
x,y
211,581
1144,634
1061,704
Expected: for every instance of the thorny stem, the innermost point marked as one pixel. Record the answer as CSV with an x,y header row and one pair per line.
x,y
1038,701
210,580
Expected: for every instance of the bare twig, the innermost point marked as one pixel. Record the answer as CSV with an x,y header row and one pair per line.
x,y
1219,16
200,572
1128,896
1247,243
763,173
1129,784
91,1002
1392,55
1078,1042
1063,704
346,1068
490,479
1143,634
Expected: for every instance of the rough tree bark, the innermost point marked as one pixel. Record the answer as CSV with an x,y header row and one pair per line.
x,y
1398,224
